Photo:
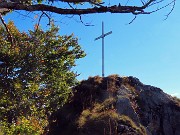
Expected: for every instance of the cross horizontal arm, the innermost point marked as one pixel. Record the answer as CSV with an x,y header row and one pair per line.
x,y
102,36
108,33
98,38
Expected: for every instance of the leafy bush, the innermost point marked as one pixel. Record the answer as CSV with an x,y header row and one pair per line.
x,y
35,76
31,126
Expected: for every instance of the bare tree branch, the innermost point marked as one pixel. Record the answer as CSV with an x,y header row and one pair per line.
x,y
101,9
10,38
132,20
146,7
85,24
174,3
43,13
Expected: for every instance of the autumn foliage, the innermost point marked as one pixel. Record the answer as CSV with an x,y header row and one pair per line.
x,y
35,77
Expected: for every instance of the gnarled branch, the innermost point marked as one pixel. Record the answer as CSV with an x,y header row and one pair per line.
x,y
74,11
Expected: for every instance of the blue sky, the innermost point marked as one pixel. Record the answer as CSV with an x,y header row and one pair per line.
x,y
148,49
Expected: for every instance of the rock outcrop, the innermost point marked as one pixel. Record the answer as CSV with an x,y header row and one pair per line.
x,y
117,106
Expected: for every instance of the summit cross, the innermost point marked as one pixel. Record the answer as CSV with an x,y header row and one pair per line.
x,y
102,36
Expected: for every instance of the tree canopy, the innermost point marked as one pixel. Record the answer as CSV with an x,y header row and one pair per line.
x,y
36,76
76,7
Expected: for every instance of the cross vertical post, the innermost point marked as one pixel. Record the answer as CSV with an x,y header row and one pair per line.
x,y
103,49
102,36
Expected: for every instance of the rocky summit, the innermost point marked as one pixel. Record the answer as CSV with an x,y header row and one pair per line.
x,y
117,105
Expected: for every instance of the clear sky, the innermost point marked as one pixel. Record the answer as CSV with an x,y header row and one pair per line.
x,y
148,48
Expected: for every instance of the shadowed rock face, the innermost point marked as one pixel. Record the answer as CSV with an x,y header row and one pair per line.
x,y
157,111
118,106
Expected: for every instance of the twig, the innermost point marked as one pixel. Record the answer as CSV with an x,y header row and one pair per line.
x,y
174,3
153,3
70,5
83,22
10,38
127,2
43,13
132,20
49,18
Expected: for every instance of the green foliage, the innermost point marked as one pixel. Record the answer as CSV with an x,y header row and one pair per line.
x,y
35,76
28,126
39,1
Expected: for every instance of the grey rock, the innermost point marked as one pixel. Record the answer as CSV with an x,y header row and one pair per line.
x,y
124,107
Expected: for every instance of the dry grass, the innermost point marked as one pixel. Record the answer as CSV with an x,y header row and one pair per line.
x,y
113,83
177,100
126,82
83,118
141,129
97,111
104,116
95,80
106,105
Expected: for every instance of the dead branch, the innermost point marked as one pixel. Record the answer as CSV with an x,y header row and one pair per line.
x,y
100,9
